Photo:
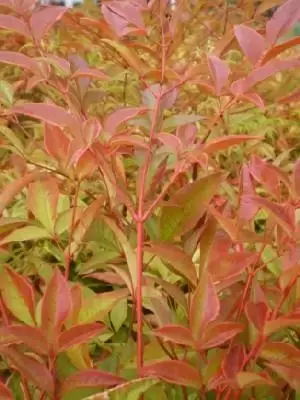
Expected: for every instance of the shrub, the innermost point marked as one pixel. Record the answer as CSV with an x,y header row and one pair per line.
x,y
149,230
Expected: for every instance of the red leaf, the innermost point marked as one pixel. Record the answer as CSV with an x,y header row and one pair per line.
x,y
90,379
56,143
30,369
250,379
14,24
205,305
219,71
223,143
281,353
11,190
31,337
90,73
121,116
282,21
257,314
275,51
251,42
79,334
247,209
5,393
24,288
290,374
48,113
7,337
170,141
176,334
253,98
56,306
234,361
175,372
296,178
43,19
19,60
179,261
280,323
218,333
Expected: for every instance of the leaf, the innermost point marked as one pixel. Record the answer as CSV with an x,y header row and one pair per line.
x,y
257,314
280,323
79,334
126,246
205,305
223,143
234,361
30,369
218,333
5,393
43,200
6,92
280,48
121,116
90,379
174,371
187,206
32,337
90,73
48,113
290,374
219,71
250,379
281,353
55,307
96,307
43,19
131,390
18,295
283,19
296,178
7,338
129,56
176,334
86,220
26,233
175,121
14,24
14,188
179,261
19,60
251,42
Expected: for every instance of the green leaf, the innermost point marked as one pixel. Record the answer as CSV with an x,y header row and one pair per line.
x,y
6,93
179,120
119,314
26,233
12,138
187,206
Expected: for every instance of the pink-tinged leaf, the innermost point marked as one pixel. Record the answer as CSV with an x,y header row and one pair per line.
x,y
278,212
257,314
280,323
247,208
178,260
176,372
296,178
5,393
90,379
86,165
18,295
230,265
79,334
91,130
282,21
43,19
90,73
121,116
218,333
205,305
56,306
223,143
19,60
253,98
234,361
250,379
170,141
7,338
290,374
243,85
219,71
275,51
126,140
281,353
176,334
48,113
14,188
14,24
56,143
30,368
251,42
108,277
32,337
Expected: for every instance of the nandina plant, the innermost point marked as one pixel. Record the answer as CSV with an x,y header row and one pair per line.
x,y
149,201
